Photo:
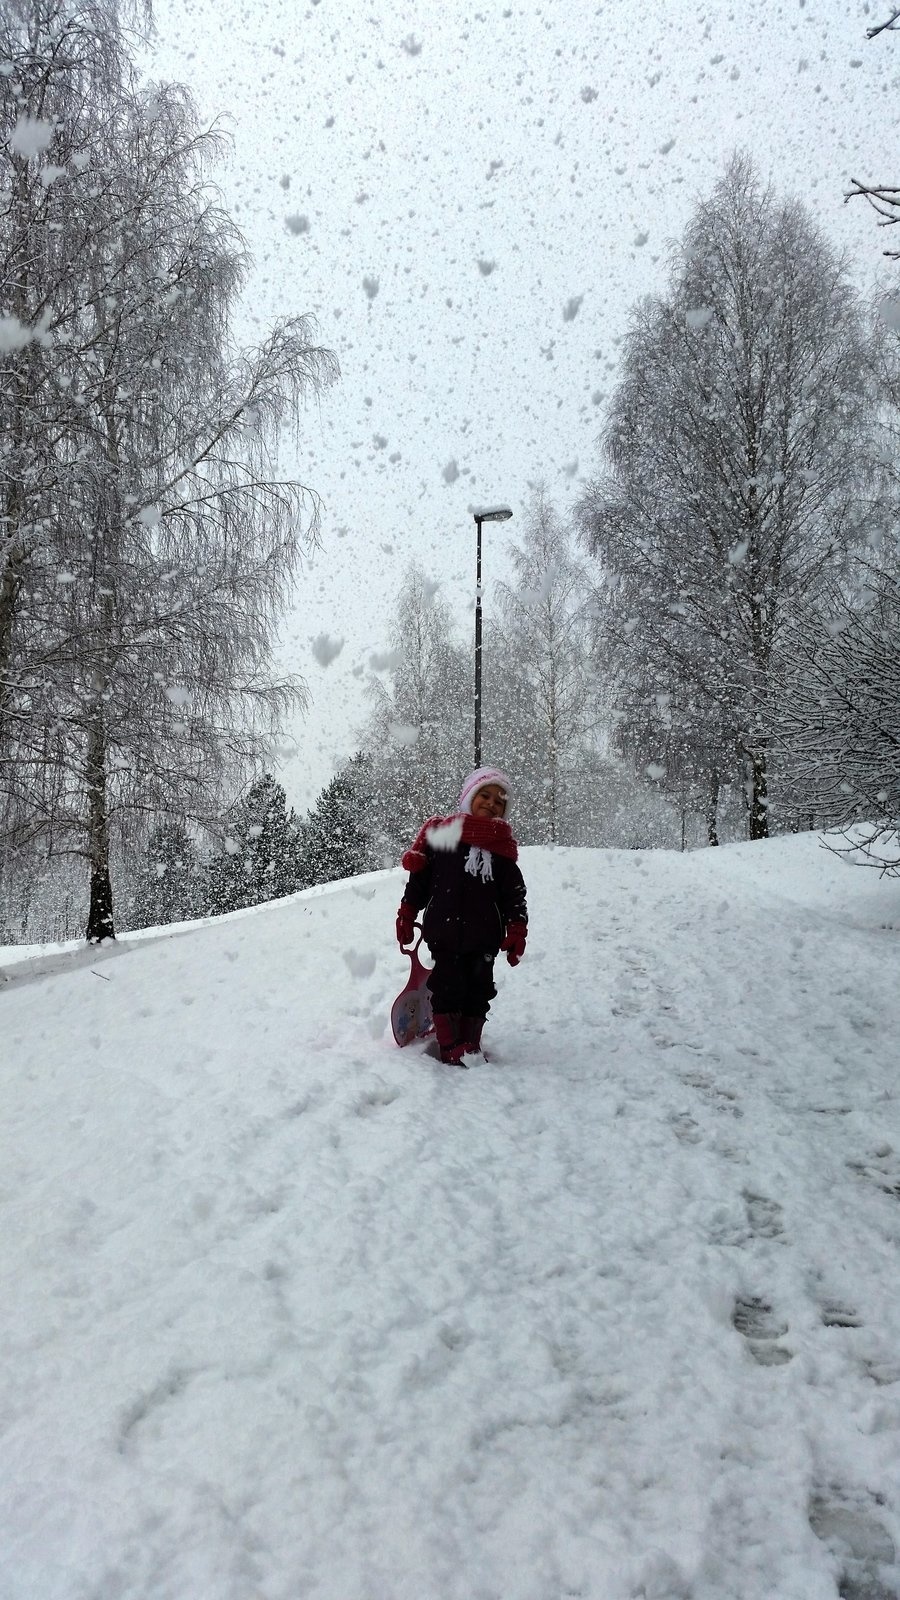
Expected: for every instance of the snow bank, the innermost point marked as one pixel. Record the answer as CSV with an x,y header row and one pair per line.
x,y
288,1312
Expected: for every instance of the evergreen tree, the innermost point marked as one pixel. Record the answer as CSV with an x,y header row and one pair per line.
x,y
336,842
169,887
260,857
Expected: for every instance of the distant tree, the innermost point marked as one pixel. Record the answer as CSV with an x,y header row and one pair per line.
x,y
738,476
418,738
335,837
542,677
260,856
169,887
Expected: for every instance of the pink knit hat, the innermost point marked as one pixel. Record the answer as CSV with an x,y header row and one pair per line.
x,y
477,780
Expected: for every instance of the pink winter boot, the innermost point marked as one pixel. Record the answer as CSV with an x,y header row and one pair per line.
x,y
471,1034
446,1031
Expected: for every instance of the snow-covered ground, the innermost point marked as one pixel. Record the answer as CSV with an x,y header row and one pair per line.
x,y
288,1312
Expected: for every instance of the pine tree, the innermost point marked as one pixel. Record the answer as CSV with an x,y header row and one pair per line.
x,y
335,840
169,887
260,856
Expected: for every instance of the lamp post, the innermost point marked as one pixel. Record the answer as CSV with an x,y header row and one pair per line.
x,y
485,514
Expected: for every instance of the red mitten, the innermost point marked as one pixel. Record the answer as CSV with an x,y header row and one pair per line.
x,y
406,924
514,943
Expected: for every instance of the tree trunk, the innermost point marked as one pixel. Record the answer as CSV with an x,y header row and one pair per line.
x,y
18,388
553,750
100,917
712,808
758,795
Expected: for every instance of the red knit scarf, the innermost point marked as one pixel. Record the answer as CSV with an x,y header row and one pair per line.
x,y
487,833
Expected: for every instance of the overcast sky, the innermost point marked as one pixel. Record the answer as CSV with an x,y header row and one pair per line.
x,y
469,199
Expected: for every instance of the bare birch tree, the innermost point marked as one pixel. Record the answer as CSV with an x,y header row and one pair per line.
x,y
738,464
838,725
137,665
542,674
418,739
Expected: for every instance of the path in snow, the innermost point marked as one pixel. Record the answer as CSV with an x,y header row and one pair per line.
x,y
291,1313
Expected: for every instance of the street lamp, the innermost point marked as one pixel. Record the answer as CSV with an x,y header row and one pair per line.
x,y
483,514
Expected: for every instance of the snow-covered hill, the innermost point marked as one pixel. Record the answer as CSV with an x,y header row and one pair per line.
x,y
289,1313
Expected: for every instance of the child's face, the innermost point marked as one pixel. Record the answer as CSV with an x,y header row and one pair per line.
x,y
489,801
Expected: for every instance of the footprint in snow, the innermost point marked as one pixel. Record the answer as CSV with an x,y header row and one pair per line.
x,y
881,1168
863,1545
684,1128
372,1100
837,1315
719,1099
755,1320
764,1216
882,1370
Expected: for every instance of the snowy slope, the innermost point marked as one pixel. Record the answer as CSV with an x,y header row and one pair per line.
x,y
287,1312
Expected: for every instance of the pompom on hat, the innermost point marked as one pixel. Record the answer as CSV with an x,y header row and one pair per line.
x,y
477,780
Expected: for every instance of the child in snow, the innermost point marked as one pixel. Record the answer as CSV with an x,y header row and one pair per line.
x,y
463,870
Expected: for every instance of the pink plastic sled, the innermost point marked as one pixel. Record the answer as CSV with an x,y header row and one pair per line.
x,y
411,1011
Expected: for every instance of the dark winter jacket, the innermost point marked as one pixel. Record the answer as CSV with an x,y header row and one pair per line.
x,y
463,910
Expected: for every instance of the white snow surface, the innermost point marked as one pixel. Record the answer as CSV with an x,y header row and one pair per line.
x,y
288,1312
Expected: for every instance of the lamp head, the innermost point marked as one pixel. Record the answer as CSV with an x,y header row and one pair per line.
x,y
492,514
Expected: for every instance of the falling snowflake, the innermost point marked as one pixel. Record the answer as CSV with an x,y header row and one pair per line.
x,y
296,223
699,317
14,335
30,137
386,661
325,649
446,835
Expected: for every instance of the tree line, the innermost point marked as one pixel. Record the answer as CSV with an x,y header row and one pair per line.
x,y
713,638
705,645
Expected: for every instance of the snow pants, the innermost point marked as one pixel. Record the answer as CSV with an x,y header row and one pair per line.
x,y
463,983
